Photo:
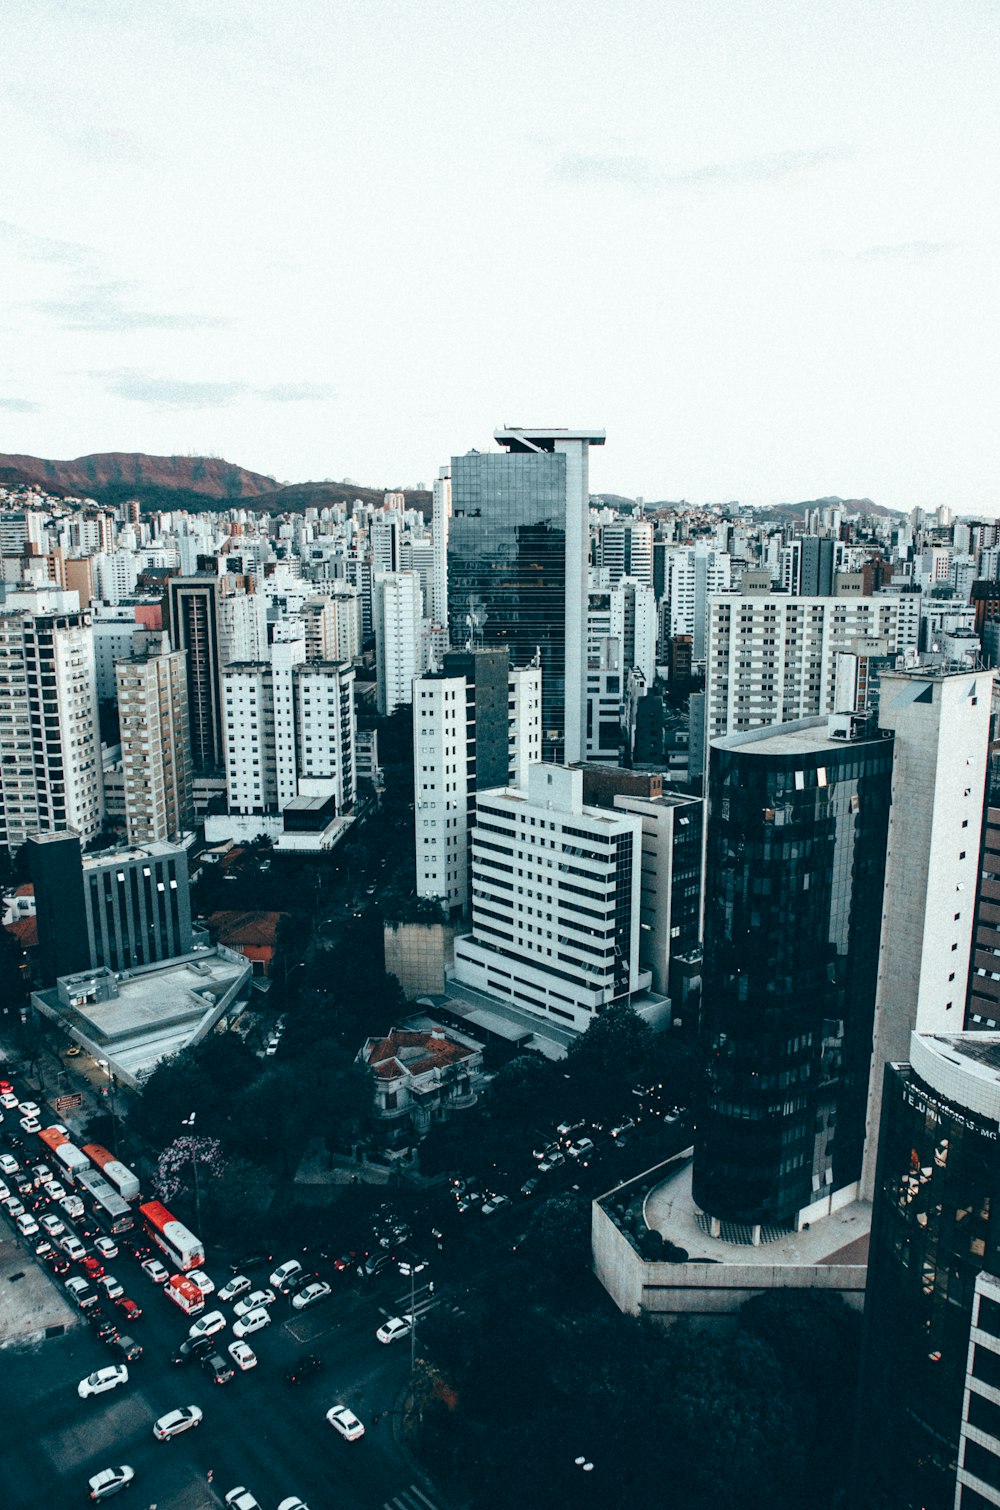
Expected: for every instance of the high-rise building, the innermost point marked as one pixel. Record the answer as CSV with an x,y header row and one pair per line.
x,y
690,574
156,746
929,1398
476,726
50,752
193,625
626,550
517,566
941,724
555,901
397,611
440,523
797,825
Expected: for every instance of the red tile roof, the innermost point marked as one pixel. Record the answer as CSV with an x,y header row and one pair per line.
x,y
405,1053
25,930
257,929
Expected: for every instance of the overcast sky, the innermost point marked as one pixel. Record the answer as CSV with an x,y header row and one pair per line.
x,y
757,242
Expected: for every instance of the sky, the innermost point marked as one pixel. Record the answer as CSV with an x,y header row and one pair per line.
x,y
757,243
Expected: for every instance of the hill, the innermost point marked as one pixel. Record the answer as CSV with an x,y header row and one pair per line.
x,y
195,483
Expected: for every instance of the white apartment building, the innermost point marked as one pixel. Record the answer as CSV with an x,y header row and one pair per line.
x,y
447,738
440,519
242,627
289,730
397,612
633,623
155,746
50,748
115,575
773,658
626,550
332,623
555,900
691,573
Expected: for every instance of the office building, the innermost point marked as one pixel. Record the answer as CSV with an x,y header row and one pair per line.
x,y
625,549
50,753
941,724
193,625
795,861
929,1417
397,612
156,745
555,901
691,573
517,566
440,524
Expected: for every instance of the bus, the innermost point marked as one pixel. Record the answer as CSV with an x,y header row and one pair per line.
x,y
181,1246
114,1171
114,1214
70,1159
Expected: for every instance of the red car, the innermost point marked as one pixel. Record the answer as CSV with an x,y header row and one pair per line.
x,y
132,1311
345,1261
91,1266
6,1089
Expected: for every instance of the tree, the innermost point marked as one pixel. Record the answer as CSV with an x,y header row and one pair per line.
x,y
524,1091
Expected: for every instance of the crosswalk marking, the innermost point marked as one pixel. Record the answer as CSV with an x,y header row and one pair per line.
x,y
412,1498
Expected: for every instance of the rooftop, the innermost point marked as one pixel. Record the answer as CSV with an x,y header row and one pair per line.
x,y
405,1052
801,736
544,437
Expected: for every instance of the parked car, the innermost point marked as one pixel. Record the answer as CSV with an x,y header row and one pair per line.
x,y
530,1186
241,1499
109,1481
581,1149
494,1203
102,1380
176,1421
346,1422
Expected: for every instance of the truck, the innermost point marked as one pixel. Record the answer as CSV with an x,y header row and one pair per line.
x,y
184,1294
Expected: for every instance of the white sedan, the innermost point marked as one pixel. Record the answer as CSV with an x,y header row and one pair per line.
x,y
176,1421
391,1331
254,1302
346,1422
106,1247
200,1278
108,1482
103,1380
253,1322
310,1295
112,1287
243,1355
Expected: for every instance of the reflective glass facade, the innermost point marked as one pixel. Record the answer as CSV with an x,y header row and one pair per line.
x,y
793,900
938,1183
507,568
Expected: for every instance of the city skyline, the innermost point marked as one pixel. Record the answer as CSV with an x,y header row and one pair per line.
x,y
751,248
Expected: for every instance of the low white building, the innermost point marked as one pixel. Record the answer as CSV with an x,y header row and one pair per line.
x,y
419,1077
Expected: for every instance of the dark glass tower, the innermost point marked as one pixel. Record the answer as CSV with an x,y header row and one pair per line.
x,y
796,849
517,566
928,1412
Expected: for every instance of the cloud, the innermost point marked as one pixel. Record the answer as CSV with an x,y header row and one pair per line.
x,y
632,171
22,243
904,251
178,393
19,405
104,306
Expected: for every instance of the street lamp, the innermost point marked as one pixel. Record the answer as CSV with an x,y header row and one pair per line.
x,y
189,1123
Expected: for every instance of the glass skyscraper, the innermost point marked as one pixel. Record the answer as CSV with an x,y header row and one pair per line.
x,y
796,850
517,566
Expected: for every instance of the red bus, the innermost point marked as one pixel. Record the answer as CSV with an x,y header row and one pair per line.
x,y
181,1246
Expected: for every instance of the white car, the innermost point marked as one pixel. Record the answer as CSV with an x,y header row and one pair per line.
x,y
72,1247
42,1175
54,1227
208,1325
102,1381
237,1286
155,1271
200,1278
391,1331
112,1287
176,1421
346,1422
73,1207
494,1203
254,1302
30,1125
108,1482
13,1206
30,1109
8,1165
241,1499
27,1226
283,1273
9,1101
293,1503
55,1191
4,1191
253,1322
310,1295
243,1355
106,1247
